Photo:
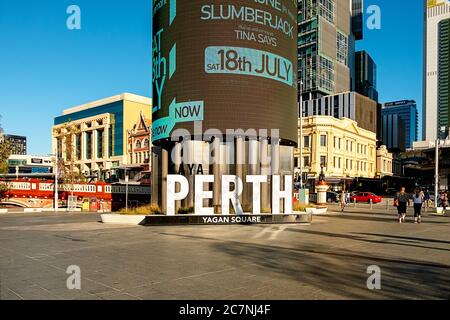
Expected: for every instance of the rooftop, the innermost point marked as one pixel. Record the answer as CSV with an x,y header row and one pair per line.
x,y
124,96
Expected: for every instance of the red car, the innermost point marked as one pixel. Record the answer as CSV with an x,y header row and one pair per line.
x,y
365,197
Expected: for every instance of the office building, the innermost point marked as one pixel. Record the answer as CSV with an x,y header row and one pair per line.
x,y
393,132
99,133
328,30
366,75
349,105
436,99
29,164
18,144
407,112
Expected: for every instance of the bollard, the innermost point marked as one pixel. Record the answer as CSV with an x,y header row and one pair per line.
x,y
371,204
354,202
387,204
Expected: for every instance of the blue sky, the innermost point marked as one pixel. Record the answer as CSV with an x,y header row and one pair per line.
x,y
46,68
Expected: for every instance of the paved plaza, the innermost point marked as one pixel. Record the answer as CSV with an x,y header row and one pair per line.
x,y
325,260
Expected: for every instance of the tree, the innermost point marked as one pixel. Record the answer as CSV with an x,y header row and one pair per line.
x,y
5,151
68,171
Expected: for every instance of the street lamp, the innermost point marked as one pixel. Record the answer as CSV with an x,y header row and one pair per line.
x,y
442,130
300,117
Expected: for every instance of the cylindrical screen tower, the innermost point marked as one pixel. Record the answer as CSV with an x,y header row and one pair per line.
x,y
224,86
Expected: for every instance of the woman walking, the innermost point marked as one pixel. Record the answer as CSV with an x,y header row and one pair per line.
x,y
343,201
401,202
418,199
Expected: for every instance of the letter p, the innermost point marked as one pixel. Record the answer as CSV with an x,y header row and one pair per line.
x,y
172,195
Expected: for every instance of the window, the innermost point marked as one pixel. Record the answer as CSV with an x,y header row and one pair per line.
x,y
146,143
306,141
323,161
323,140
138,144
342,48
326,74
326,9
306,162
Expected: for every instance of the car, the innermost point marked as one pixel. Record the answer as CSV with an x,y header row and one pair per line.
x,y
365,197
332,197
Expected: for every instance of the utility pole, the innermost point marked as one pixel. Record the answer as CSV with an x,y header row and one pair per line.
x,y
436,176
126,190
56,187
300,117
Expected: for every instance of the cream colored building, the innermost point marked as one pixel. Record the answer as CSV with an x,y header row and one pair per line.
x,y
100,133
345,150
384,162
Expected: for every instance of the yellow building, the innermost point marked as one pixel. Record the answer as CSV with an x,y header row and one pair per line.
x,y
343,149
384,162
99,133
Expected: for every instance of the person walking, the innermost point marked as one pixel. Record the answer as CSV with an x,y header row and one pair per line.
x,y
427,198
418,202
401,202
444,202
343,201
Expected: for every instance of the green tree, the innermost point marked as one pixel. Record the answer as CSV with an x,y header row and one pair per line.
x,y
5,151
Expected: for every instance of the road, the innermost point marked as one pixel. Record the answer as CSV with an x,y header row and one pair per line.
x,y
325,260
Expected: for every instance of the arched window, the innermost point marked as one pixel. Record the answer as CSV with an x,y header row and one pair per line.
x,y
146,143
138,144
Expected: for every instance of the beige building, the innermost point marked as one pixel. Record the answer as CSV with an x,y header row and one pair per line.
x,y
344,150
384,162
99,133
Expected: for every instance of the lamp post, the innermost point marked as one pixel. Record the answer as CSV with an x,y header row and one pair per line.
x,y
300,117
126,190
436,172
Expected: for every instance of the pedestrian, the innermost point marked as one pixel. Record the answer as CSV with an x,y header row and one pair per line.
x,y
401,202
347,198
343,201
418,201
444,201
427,198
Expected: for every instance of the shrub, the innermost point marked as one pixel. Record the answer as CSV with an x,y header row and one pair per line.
x,y
300,207
146,210
186,210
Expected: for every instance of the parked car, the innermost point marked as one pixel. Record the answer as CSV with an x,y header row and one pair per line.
x,y
365,197
333,197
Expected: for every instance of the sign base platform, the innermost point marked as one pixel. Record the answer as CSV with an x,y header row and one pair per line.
x,y
190,219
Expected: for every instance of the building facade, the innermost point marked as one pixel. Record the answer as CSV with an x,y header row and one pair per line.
x,y
436,64
29,164
349,105
407,112
139,142
328,30
393,132
366,75
384,162
98,133
18,144
345,150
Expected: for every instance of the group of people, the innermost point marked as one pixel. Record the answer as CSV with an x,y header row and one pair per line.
x,y
419,199
401,201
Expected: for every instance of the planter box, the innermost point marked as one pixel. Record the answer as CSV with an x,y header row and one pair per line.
x,y
316,211
440,210
133,220
3,211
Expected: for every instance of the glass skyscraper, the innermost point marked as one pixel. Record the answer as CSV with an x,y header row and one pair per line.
x,y
328,30
406,110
